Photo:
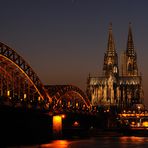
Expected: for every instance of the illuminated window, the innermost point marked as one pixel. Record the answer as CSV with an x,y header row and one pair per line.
x,y
25,96
8,93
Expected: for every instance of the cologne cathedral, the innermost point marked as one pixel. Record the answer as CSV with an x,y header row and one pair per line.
x,y
118,86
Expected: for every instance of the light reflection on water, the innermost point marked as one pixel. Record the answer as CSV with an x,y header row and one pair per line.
x,y
56,144
98,142
101,142
133,139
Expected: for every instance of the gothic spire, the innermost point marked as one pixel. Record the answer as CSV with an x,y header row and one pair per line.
x,y
110,58
131,57
130,43
111,43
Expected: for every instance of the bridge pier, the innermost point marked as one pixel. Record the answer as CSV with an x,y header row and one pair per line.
x,y
57,126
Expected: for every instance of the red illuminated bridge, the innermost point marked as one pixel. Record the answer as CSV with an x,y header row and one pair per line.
x,y
21,87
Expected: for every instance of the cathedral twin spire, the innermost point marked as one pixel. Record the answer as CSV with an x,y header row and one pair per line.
x,y
123,89
111,42
111,59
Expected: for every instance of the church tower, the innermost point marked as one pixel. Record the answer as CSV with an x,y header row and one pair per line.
x,y
131,56
110,67
112,89
130,80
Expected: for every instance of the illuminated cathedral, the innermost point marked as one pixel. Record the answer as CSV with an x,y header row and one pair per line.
x,y
118,86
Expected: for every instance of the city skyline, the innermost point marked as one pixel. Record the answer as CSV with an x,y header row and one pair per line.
x,y
65,40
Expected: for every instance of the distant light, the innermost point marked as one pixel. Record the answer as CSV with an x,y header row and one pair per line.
x,y
91,127
25,96
76,124
8,93
138,124
63,116
108,110
39,98
145,124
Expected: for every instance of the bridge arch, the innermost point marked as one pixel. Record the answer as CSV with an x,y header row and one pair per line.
x,y
69,93
15,74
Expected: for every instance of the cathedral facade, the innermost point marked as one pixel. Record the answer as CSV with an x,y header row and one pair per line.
x,y
118,86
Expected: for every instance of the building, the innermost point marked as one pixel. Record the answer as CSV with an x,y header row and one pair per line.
x,y
118,86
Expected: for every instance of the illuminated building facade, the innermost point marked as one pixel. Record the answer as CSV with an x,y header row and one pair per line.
x,y
114,88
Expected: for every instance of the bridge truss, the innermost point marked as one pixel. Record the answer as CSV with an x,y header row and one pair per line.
x,y
67,98
19,84
21,87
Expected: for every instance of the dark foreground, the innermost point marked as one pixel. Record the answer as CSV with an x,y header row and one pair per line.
x,y
27,128
23,126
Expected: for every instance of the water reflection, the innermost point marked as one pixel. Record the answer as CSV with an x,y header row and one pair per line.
x,y
56,144
95,142
101,142
133,139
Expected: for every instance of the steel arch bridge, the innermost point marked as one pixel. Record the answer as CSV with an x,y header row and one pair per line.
x,y
21,87
19,84
68,98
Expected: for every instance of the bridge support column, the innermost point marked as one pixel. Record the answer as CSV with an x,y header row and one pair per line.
x,y
57,126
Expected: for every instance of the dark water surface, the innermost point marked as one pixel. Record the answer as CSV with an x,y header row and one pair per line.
x,y
98,142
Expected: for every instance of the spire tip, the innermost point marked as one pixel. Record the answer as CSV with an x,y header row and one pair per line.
x,y
110,26
130,24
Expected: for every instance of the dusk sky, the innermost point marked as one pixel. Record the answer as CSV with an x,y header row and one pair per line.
x,y
65,40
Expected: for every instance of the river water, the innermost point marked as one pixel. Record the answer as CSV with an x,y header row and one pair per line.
x,y
96,142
